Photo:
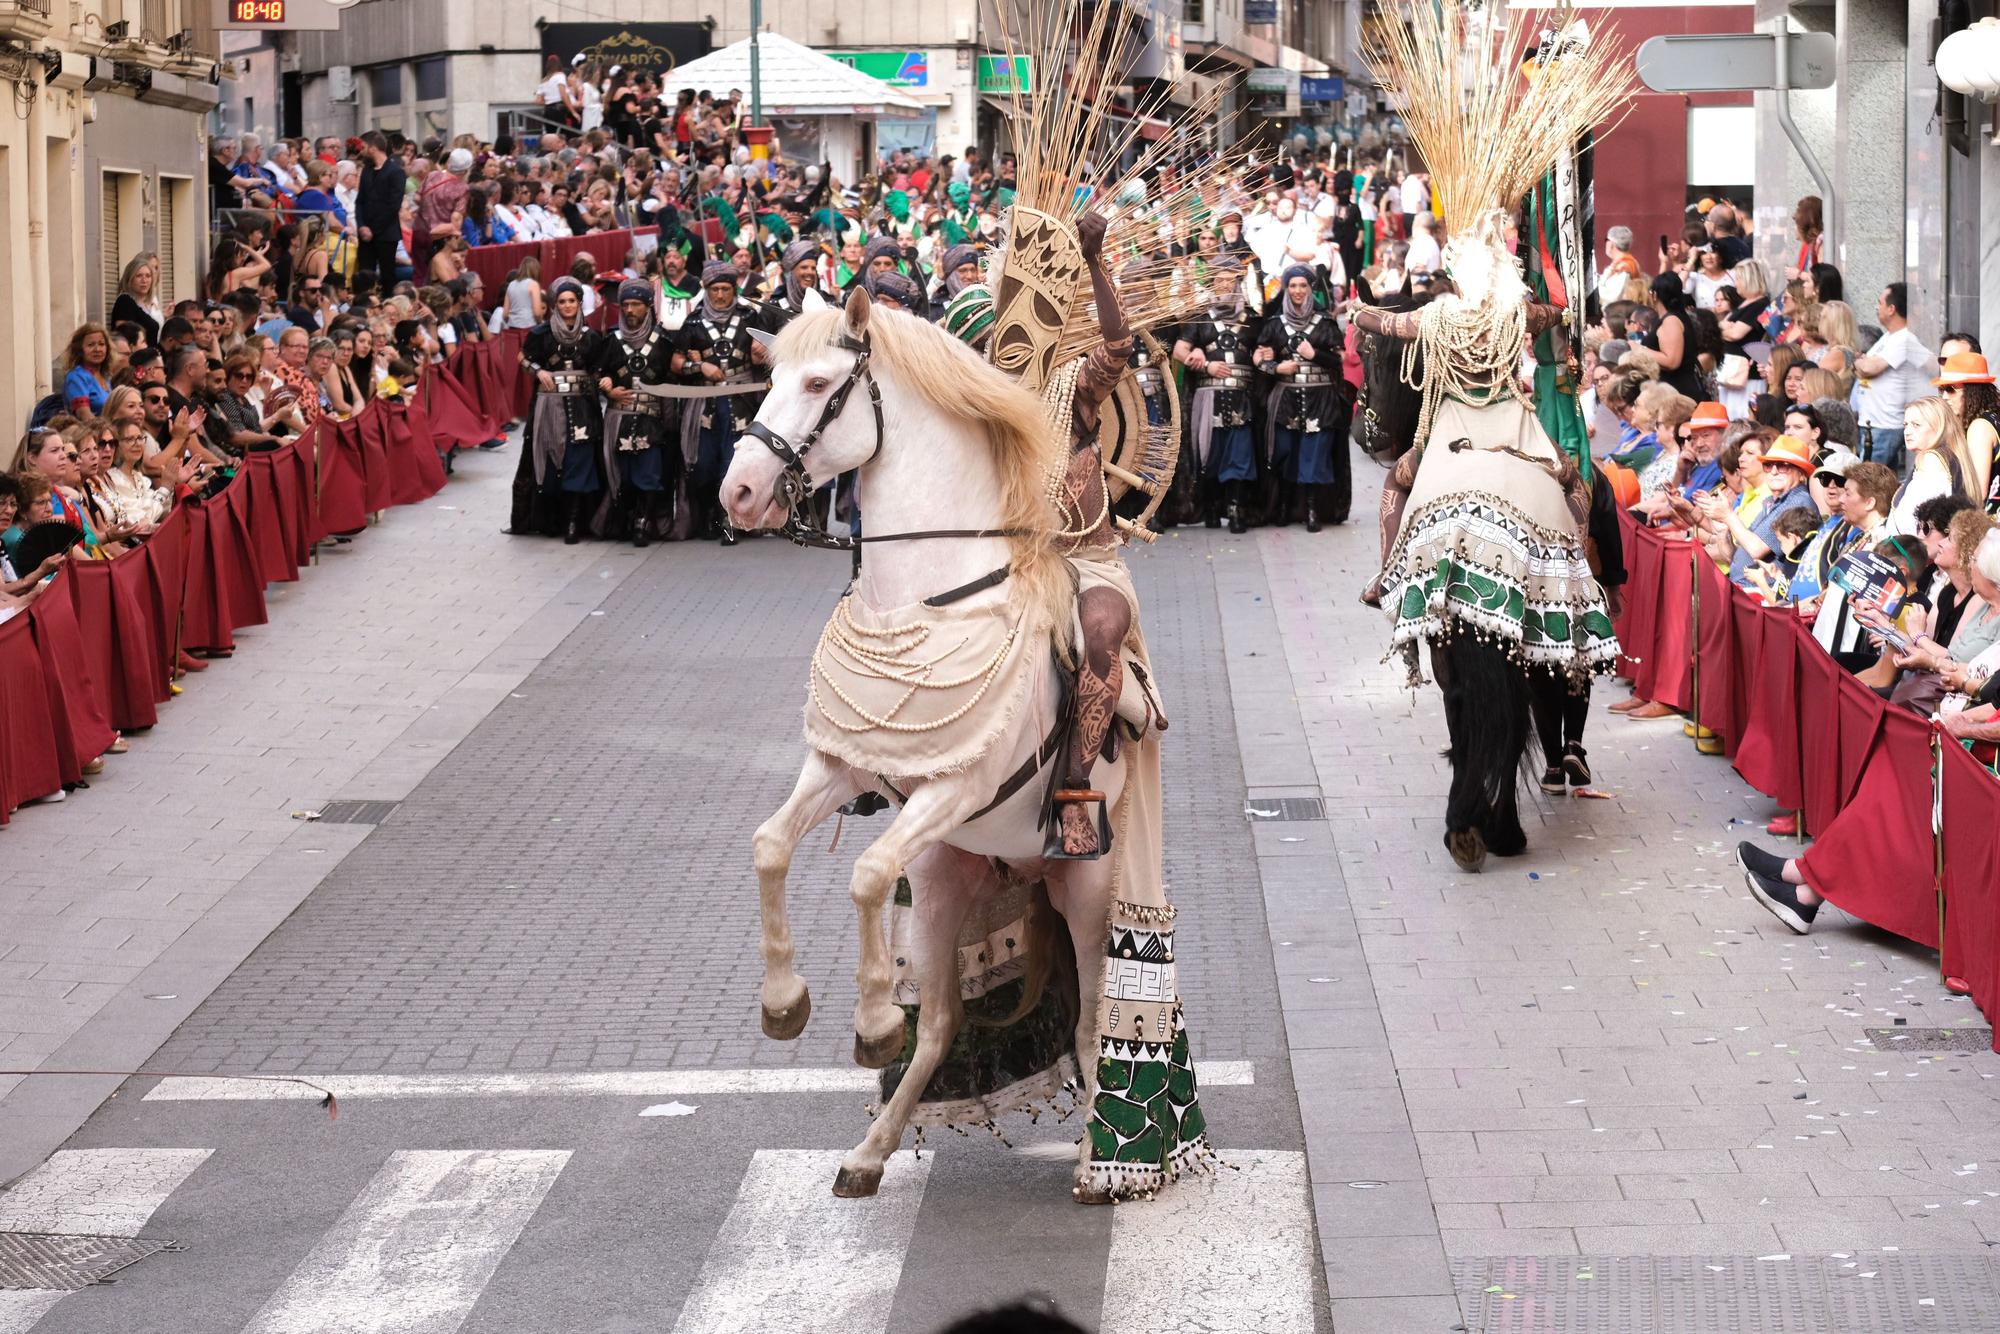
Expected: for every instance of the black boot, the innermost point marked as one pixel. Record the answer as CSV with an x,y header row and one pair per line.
x,y
1312,508
1236,524
1211,504
1281,513
573,526
644,503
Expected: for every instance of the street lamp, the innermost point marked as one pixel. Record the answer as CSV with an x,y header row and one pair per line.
x,y
1968,61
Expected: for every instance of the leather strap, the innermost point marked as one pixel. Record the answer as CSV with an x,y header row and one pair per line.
x,y
991,579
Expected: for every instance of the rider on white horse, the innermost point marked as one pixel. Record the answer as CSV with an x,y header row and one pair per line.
x,y
1085,534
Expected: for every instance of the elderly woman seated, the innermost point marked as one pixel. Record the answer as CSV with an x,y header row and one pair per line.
x,y
1753,537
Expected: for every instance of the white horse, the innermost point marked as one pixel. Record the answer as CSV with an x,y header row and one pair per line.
x,y
956,447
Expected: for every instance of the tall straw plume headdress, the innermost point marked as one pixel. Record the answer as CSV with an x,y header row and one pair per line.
x,y
1486,129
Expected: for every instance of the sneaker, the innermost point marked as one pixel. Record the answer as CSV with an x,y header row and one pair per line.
x,y
1782,900
1554,780
1756,861
1576,764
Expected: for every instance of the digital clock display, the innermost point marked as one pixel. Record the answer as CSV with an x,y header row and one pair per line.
x,y
256,11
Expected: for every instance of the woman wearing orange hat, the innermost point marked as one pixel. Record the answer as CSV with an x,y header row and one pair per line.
x,y
1967,385
1940,463
1787,466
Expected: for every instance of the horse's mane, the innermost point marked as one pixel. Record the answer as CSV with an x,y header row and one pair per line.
x,y
956,381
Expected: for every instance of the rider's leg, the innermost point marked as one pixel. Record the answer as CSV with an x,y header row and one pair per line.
x,y
1106,620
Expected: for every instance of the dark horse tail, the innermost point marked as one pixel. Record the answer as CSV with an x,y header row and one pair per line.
x,y
1487,708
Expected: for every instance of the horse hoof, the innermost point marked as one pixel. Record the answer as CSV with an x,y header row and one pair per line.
x,y
785,1025
1467,848
877,1053
857,1183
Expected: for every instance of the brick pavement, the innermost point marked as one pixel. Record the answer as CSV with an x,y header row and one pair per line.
x,y
370,668
571,889
1602,1048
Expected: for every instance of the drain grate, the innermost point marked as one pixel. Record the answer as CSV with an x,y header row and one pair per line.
x,y
1262,810
61,1262
356,812
1955,1294
1930,1039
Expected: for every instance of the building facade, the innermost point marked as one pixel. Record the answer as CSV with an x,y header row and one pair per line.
x,y
102,160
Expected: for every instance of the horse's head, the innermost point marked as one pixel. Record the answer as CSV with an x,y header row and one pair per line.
x,y
817,409
1389,408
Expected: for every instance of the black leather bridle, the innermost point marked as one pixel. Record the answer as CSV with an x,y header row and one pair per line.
x,y
802,525
794,487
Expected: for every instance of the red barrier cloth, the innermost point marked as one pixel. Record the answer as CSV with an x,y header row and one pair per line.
x,y
1824,723
270,546
1638,627
1767,752
295,465
453,418
376,474
1666,676
1718,707
229,536
1971,875
28,767
166,553
343,489
114,615
414,470
494,262
509,351
200,626
1874,858
491,383
82,732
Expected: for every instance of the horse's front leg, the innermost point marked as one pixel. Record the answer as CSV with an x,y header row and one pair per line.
x,y
1081,892
932,811
944,884
823,785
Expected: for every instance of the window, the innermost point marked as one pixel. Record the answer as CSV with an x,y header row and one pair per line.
x,y
431,80
385,85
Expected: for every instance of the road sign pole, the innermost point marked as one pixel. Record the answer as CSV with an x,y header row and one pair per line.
x,y
1829,208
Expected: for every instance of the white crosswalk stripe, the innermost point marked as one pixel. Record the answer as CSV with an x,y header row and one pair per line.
x,y
792,1256
93,1192
584,1083
1228,1253
415,1249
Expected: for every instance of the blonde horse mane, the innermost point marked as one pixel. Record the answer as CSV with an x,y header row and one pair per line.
x,y
952,378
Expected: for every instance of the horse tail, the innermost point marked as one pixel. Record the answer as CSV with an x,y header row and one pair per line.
x,y
1048,949
1486,704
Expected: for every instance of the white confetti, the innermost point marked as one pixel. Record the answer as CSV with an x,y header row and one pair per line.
x,y
669,1109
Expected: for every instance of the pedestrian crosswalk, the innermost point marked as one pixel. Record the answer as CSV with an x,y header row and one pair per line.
x,y
415,1250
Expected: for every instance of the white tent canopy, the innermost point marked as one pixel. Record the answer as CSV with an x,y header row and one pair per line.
x,y
796,81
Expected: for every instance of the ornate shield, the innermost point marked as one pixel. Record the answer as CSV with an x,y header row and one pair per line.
x,y
1140,440
1038,284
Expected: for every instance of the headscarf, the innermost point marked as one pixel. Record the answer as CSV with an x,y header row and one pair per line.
x,y
1227,263
635,289
895,287
898,205
954,259
566,333
797,253
883,245
719,271
1294,314
959,193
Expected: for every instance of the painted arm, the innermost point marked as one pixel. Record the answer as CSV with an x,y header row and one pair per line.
x,y
1542,316
1390,324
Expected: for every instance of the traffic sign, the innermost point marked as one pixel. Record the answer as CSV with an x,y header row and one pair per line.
x,y
1733,61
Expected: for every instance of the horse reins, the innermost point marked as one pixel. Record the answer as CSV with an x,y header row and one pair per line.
x,y
803,527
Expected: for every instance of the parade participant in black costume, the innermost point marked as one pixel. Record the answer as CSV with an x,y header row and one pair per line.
x,y
893,290
641,436
1217,351
885,255
559,464
801,263
1306,415
718,346
675,236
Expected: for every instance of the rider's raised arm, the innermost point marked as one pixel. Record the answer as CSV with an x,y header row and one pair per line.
x,y
1390,324
1107,361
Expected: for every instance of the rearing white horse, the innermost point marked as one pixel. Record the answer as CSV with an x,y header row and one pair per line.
x,y
957,449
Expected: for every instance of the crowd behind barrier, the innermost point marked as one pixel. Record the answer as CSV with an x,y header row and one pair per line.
x,y
94,656
1902,815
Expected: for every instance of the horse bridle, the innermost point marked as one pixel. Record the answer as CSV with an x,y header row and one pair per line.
x,y
794,487
802,526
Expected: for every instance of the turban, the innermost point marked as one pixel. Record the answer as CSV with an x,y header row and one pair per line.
x,y
720,271
895,287
635,289
798,252
960,193
883,245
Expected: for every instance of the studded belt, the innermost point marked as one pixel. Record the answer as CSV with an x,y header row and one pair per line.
x,y
570,382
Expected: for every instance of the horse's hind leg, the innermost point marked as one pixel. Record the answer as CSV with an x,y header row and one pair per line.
x,y
932,811
816,795
944,883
